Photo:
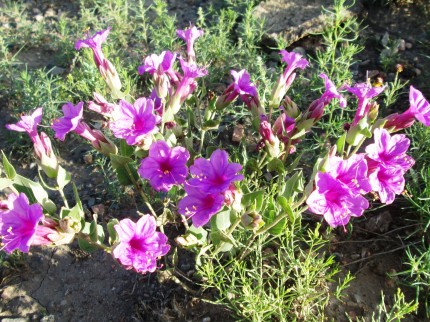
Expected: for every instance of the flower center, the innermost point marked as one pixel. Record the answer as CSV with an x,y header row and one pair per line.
x,y
137,244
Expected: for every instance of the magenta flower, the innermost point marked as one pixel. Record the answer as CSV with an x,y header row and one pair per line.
x,y
247,92
390,150
214,175
351,172
386,181
334,201
331,92
19,222
199,205
140,244
71,121
420,106
28,123
165,166
364,92
102,106
135,122
189,36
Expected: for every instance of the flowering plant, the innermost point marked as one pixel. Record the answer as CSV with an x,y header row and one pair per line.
x,y
211,192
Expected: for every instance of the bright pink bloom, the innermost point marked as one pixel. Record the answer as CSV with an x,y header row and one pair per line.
x,y
420,106
140,244
331,92
386,181
71,121
334,201
189,36
199,205
364,92
28,123
135,122
214,175
19,222
165,166
351,172
390,150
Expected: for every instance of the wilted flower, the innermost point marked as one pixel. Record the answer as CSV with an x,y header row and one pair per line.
x,y
135,122
102,106
334,201
19,222
214,175
200,205
165,166
140,244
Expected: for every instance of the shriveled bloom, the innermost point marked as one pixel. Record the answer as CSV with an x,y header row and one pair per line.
x,y
105,67
390,150
189,36
352,172
364,93
135,122
165,166
334,201
102,106
214,175
294,61
140,244
28,123
200,205
419,109
19,224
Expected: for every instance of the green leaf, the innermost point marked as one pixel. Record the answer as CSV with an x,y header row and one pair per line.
x,y
113,235
86,246
276,165
279,227
293,186
220,241
210,125
63,177
340,144
120,164
252,166
210,149
119,161
285,206
221,221
125,149
5,183
253,200
294,164
200,233
8,168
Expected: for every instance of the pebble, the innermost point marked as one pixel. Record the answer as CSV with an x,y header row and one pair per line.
x,y
57,70
206,319
15,320
402,45
38,17
408,45
50,13
417,71
48,318
300,50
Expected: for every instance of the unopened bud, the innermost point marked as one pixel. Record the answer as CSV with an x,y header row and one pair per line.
x,y
252,221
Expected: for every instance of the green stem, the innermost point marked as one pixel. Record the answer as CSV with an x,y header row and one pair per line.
x,y
136,185
202,139
357,147
89,240
63,197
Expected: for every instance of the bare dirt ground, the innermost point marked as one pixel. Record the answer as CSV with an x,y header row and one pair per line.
x,y
66,284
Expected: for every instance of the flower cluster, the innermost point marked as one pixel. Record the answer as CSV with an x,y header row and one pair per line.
x,y
212,182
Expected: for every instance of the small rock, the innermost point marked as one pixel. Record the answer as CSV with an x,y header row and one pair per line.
x,y
48,318
88,158
300,50
402,45
91,202
63,303
99,209
57,70
15,320
36,11
50,13
238,133
38,18
408,45
417,71
206,319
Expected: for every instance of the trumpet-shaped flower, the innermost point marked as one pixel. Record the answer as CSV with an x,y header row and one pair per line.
x,y
331,92
165,166
199,205
386,181
140,244
71,120
28,123
214,175
334,201
135,122
364,92
189,36
19,222
390,150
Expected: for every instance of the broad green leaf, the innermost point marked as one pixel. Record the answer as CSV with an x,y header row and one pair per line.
x,y
294,164
220,241
125,149
63,177
5,183
221,221
340,144
113,235
210,125
276,165
8,167
119,161
86,246
293,186
285,206
253,199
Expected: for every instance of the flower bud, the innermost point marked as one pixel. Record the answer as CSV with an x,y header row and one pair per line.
x,y
290,107
252,221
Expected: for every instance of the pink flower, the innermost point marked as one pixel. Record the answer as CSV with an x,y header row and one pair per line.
x,y
390,150
140,244
386,181
351,172
19,224
247,92
165,166
28,123
214,175
364,92
189,36
334,201
102,106
331,92
199,205
71,121
420,106
135,122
